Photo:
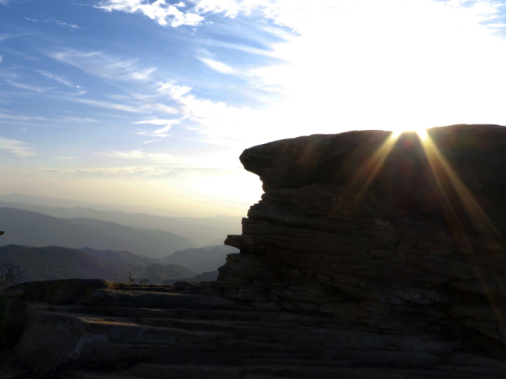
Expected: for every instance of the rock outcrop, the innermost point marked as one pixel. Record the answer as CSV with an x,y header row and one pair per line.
x,y
401,236
367,257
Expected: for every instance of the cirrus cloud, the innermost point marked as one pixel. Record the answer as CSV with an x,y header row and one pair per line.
x,y
15,147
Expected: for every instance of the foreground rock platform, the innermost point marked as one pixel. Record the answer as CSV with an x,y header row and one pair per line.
x,y
94,329
368,256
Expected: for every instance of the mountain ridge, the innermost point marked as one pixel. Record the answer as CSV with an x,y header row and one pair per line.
x,y
35,229
210,230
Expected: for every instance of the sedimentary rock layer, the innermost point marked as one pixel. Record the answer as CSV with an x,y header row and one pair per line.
x,y
404,235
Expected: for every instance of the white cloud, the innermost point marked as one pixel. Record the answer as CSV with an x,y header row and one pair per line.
x,y
64,24
20,118
161,132
216,160
165,129
78,119
168,160
109,105
60,80
26,86
57,22
155,121
217,66
160,11
161,108
17,148
102,65
366,64
5,36
108,171
1,58
173,90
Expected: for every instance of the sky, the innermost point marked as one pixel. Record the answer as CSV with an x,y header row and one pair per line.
x,y
150,103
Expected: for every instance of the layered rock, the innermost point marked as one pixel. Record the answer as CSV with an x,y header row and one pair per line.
x,y
402,236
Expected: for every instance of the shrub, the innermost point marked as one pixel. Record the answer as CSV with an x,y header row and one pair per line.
x,y
9,275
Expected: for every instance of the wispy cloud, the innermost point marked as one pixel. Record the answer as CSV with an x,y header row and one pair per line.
x,y
17,148
102,65
60,80
160,11
1,58
20,117
78,119
219,161
108,171
161,132
217,66
62,23
5,36
57,22
172,89
109,105
138,154
26,86
155,121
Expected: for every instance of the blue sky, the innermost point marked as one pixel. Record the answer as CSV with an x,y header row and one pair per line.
x,y
150,103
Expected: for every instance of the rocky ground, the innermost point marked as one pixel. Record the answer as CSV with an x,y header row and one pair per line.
x,y
367,257
102,330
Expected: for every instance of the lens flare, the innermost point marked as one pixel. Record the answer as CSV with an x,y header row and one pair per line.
x,y
422,132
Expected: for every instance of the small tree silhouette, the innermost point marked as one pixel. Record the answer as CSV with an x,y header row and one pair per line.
x,y
11,276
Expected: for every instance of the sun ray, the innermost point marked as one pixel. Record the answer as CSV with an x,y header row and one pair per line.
x,y
370,169
447,180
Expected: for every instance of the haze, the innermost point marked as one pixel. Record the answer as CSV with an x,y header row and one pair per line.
x,y
148,104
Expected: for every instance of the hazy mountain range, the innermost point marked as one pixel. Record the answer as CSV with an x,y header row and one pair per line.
x,y
198,231
111,244
34,229
126,257
53,262
47,263
203,259
50,201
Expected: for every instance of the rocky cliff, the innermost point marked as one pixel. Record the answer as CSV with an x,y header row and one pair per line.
x,y
368,256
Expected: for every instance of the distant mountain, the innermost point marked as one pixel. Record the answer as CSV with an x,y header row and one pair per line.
x,y
48,263
203,259
49,201
126,257
205,276
159,273
53,262
200,231
34,229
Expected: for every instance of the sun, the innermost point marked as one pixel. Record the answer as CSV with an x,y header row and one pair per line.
x,y
422,132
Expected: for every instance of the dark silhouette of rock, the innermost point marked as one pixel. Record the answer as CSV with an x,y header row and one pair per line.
x,y
355,264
